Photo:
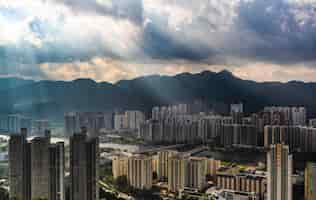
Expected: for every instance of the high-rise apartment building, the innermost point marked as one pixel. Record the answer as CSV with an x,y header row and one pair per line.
x,y
39,127
296,137
163,159
195,173
92,121
279,177
139,172
40,167
57,171
19,166
17,122
238,135
177,173
134,119
84,167
310,181
36,168
119,166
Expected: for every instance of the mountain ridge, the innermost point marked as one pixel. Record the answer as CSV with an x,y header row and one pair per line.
x,y
51,99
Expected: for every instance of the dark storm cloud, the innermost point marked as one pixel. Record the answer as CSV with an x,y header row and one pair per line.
x,y
160,44
228,32
285,31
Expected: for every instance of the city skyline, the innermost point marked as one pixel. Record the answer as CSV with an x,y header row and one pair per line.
x,y
258,40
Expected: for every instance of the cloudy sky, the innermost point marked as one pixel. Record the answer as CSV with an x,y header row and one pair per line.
x,y
109,40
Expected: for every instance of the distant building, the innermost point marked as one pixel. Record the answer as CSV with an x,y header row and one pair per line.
x,y
134,119
295,116
210,127
17,122
93,121
279,178
310,181
120,122
296,137
173,132
131,119
312,123
139,172
39,127
236,111
84,167
239,135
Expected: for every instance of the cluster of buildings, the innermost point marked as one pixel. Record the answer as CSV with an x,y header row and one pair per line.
x,y
37,167
185,174
95,122
179,170
176,125
13,123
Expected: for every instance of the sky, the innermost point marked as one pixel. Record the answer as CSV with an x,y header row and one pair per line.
x,y
110,40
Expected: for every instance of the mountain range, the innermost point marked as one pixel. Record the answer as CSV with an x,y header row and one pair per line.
x,y
51,99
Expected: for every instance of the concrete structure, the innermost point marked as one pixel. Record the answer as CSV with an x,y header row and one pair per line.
x,y
17,122
93,121
134,119
39,127
163,159
239,135
296,137
237,108
212,166
171,132
236,111
120,122
19,166
36,168
312,123
310,181
119,166
242,182
210,127
139,172
40,167
176,173
195,173
295,116
57,171
279,177
84,167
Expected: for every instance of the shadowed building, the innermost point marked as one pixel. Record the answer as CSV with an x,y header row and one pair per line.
x,y
57,171
19,166
40,167
84,164
36,168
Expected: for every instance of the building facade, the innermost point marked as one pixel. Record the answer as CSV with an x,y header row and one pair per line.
x,y
279,177
84,167
310,181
